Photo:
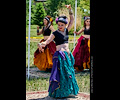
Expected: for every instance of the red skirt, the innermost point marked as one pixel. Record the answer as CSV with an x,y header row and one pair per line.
x,y
81,54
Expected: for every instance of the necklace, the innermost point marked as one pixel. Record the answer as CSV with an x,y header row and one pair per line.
x,y
63,33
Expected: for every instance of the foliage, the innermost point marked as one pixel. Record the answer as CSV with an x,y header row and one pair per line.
x,y
52,8
27,12
84,7
39,14
54,5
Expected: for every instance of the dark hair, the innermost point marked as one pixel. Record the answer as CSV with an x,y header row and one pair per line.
x,y
62,19
85,20
49,19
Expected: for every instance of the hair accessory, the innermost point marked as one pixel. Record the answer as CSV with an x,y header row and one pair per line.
x,y
56,20
62,19
85,18
47,19
51,19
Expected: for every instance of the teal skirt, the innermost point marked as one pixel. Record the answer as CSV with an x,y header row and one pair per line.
x,y
62,81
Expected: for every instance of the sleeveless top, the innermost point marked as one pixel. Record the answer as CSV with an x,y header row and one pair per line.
x,y
86,31
59,38
47,31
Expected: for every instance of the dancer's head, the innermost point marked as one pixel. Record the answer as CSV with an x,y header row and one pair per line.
x,y
61,21
86,21
48,20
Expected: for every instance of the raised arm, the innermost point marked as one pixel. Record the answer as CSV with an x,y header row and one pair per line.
x,y
71,17
52,28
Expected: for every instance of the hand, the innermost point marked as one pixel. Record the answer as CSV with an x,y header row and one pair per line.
x,y
68,6
43,44
39,46
76,33
42,50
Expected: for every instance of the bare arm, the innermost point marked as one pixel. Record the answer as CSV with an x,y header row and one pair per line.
x,y
52,28
51,37
71,17
79,32
70,23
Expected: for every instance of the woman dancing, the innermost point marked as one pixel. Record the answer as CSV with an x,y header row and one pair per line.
x,y
43,56
81,52
62,81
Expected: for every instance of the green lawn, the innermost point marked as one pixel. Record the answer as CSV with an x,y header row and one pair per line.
x,y
83,80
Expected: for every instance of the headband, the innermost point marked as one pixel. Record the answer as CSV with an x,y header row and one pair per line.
x,y
85,18
61,19
47,19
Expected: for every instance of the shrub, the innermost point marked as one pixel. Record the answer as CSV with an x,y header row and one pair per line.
x,y
39,14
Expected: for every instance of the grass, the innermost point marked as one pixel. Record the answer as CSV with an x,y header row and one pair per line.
x,y
37,84
41,84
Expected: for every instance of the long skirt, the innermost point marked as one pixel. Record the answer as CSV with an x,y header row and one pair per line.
x,y
81,54
62,82
43,60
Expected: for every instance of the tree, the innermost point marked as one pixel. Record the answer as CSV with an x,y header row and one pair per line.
x,y
32,12
84,7
27,11
54,5
39,14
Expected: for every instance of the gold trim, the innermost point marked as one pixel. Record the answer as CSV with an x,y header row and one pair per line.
x,y
58,68
56,88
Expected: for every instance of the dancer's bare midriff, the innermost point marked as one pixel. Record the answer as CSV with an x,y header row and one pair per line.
x,y
63,47
86,36
46,37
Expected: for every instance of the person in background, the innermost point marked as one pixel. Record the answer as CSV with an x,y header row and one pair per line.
x,y
43,56
81,52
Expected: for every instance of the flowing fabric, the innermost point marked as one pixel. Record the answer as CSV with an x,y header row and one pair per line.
x,y
62,81
44,60
81,54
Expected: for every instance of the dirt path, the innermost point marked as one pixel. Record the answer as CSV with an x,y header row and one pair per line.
x,y
43,95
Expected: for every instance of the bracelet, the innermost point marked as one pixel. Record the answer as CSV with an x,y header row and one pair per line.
x,y
70,12
37,31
